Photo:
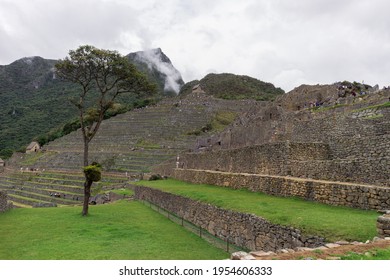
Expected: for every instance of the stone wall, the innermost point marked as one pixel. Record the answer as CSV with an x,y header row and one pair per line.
x,y
244,230
332,193
4,204
364,161
270,158
383,225
358,148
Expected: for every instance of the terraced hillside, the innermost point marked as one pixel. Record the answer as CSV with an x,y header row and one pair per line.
x,y
136,141
45,188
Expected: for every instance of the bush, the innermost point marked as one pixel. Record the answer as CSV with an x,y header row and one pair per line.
x,y
93,172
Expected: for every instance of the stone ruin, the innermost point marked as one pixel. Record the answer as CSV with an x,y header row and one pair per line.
x,y
4,204
313,134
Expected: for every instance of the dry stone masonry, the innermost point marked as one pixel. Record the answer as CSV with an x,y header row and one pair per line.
x,y
383,225
337,152
243,230
4,204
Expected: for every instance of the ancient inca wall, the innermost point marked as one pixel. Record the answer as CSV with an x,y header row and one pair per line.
x,y
383,225
270,158
244,230
4,204
332,193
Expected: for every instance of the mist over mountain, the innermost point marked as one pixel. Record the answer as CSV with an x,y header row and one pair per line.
x,y
33,101
159,68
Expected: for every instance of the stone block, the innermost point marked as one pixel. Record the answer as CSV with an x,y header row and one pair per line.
x,y
342,242
241,255
262,254
332,245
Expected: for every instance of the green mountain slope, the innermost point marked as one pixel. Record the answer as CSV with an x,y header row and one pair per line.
x,y
33,101
231,86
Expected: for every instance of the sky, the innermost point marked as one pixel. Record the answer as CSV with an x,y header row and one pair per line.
x,y
285,42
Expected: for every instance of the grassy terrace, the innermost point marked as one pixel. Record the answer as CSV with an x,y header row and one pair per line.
x,y
332,222
119,231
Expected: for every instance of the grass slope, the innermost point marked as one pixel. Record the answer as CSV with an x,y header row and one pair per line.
x,y
123,230
333,223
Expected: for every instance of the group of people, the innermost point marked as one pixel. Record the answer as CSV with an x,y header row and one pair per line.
x,y
344,90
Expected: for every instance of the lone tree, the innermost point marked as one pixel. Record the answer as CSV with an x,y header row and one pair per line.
x,y
103,75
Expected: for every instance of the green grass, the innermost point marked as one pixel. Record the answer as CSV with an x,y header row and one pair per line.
x,y
377,254
332,222
123,191
374,117
122,230
374,107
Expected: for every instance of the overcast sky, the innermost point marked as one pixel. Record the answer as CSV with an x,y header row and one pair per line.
x,y
286,42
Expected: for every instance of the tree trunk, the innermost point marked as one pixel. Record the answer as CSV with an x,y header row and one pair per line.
x,y
86,148
87,195
87,183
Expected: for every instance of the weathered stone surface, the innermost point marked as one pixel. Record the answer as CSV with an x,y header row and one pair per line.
x,y
264,254
4,204
241,255
383,225
302,249
342,242
377,239
332,245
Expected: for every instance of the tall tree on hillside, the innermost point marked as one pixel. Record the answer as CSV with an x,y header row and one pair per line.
x,y
103,75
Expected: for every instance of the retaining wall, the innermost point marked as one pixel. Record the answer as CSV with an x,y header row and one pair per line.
x,y
383,225
333,193
244,230
4,204
358,161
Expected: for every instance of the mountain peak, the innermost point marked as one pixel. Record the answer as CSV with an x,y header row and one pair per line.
x,y
161,67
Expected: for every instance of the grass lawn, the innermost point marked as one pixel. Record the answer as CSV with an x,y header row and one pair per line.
x,y
332,222
119,231
379,254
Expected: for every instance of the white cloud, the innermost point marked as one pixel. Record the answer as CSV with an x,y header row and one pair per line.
x,y
282,41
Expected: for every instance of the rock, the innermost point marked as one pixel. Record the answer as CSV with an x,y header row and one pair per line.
x,y
342,242
303,249
241,256
284,251
384,219
321,248
356,243
383,211
263,254
332,245
377,239
333,258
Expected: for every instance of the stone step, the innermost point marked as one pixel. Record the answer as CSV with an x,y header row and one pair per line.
x,y
26,200
43,198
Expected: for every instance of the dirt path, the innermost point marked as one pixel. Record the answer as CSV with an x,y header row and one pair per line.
x,y
329,253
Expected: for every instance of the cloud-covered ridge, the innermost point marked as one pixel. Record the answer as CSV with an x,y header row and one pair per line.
x,y
156,59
